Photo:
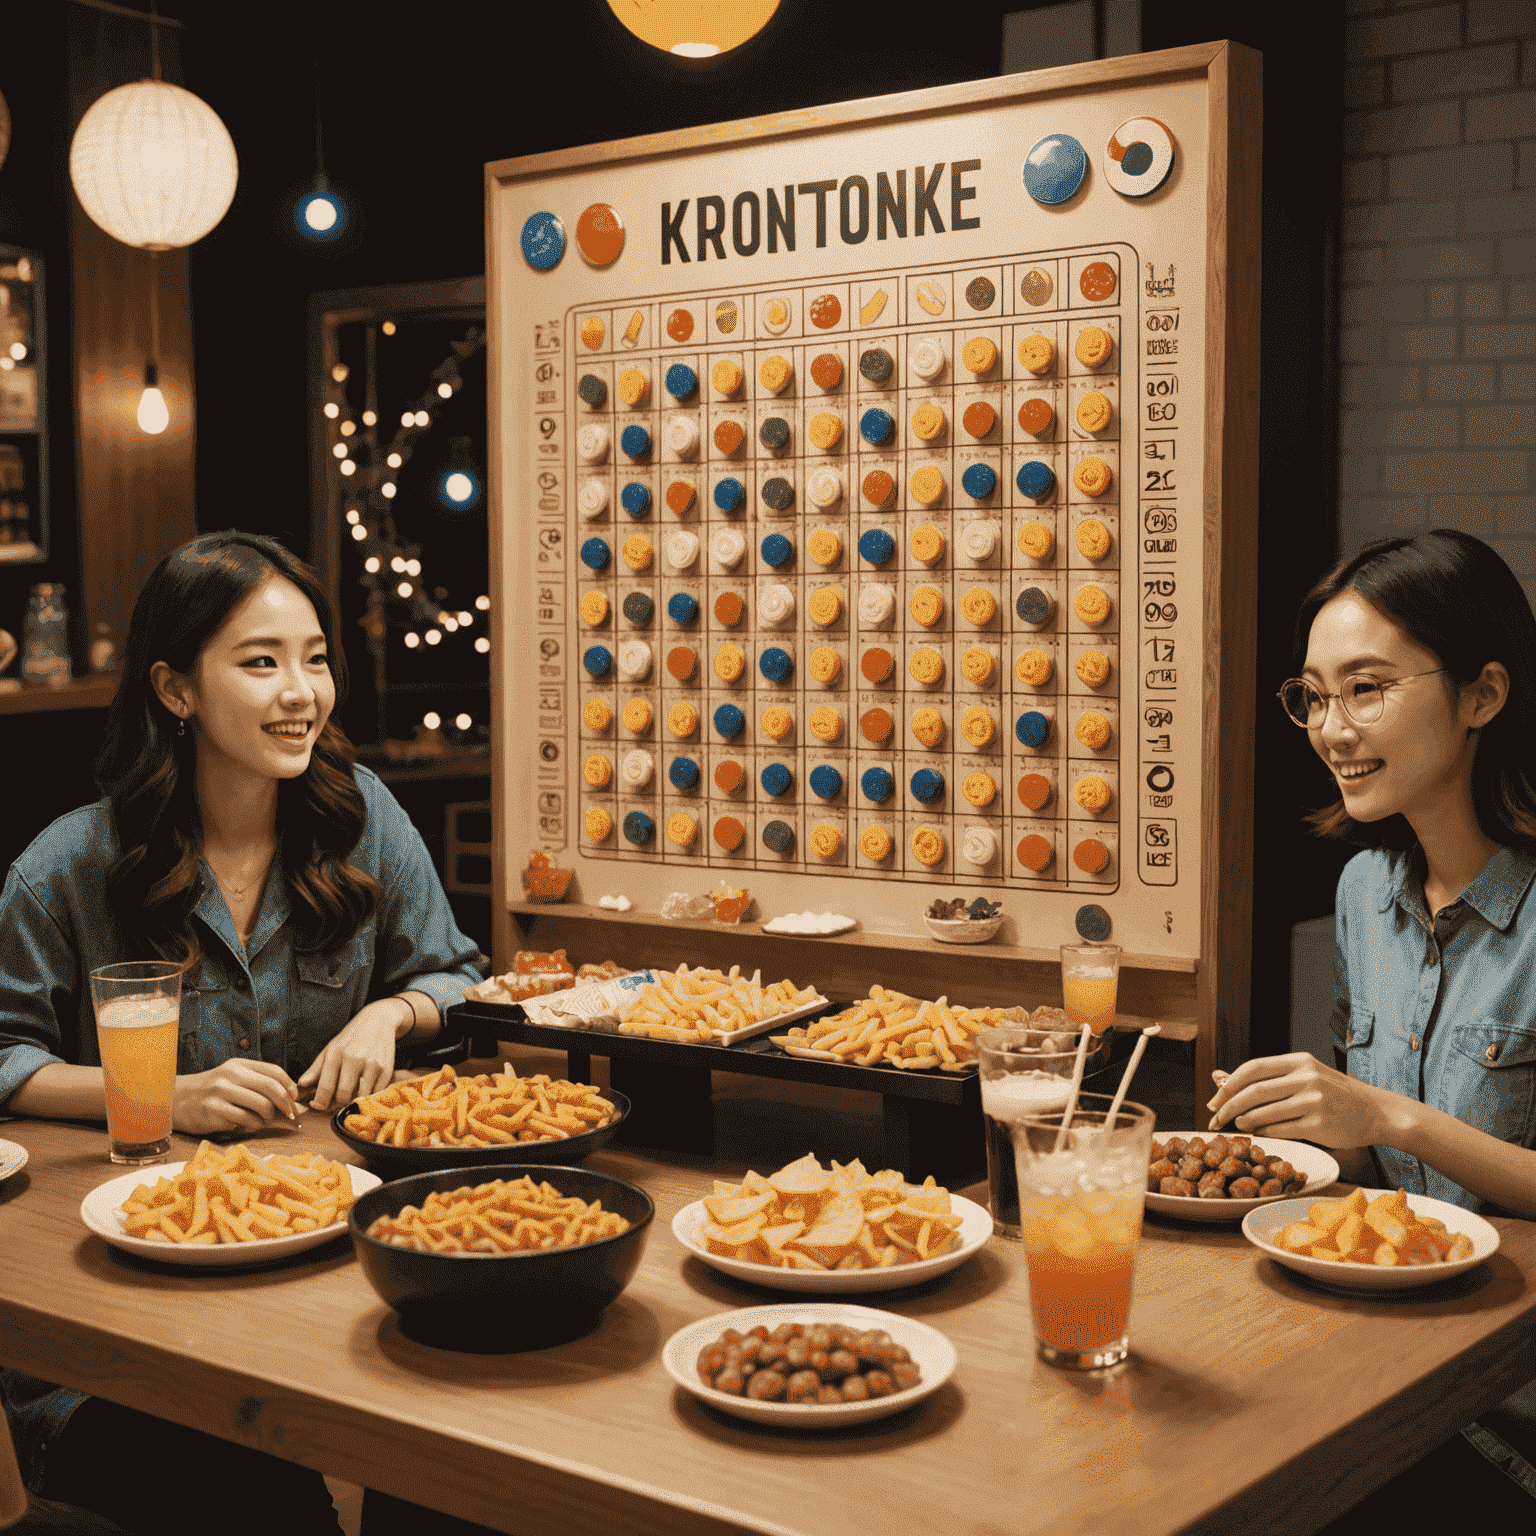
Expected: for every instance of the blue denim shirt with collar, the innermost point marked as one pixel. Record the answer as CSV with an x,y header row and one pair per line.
x,y
1440,1008
264,1002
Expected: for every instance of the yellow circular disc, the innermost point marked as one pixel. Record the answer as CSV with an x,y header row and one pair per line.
x,y
596,771
777,722
1091,792
927,422
726,376
1091,605
1092,539
977,726
927,606
927,485
729,662
826,723
592,331
875,843
1092,667
598,823
927,543
826,839
637,552
1036,353
634,386
1092,476
977,665
928,727
824,546
979,354
928,845
597,714
775,373
979,789
594,607
682,719
1093,346
1033,667
825,430
1037,541
825,663
978,606
1092,729
637,716
1094,411
682,829
927,665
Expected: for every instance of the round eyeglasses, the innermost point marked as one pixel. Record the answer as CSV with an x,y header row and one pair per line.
x,y
1363,698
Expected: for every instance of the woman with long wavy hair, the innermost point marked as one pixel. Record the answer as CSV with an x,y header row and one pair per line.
x,y
238,840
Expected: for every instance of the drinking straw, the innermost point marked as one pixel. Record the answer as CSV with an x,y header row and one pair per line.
x,y
1077,1082
1130,1072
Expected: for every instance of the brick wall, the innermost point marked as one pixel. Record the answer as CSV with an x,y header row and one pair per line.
x,y
1438,267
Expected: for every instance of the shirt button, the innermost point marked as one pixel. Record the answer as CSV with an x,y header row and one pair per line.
x,y
245,1045
1413,1042
240,983
1492,1053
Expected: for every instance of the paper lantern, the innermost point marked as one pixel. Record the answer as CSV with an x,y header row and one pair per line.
x,y
694,28
153,165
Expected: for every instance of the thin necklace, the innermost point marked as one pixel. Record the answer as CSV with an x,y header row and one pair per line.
x,y
229,887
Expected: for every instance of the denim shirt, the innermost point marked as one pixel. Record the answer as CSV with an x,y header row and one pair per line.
x,y
1441,1009
264,1002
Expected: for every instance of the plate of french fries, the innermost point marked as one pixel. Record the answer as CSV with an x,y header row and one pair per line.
x,y
834,1230
1373,1239
227,1206
711,1007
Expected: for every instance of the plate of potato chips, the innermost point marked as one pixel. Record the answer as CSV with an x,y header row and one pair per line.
x,y
226,1206
834,1230
1373,1239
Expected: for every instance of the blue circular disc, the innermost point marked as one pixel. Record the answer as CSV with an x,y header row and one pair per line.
x,y
776,664
777,550
729,721
543,241
776,779
1054,168
1093,923
684,773
638,608
638,827
927,785
635,498
877,784
595,553
597,659
683,607
876,546
635,441
1036,480
778,837
681,381
979,480
826,781
876,426
728,494
1033,728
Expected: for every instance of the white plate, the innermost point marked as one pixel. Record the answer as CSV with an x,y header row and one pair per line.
x,y
13,1158
933,1354
975,1229
1319,1168
100,1211
810,924
1259,1227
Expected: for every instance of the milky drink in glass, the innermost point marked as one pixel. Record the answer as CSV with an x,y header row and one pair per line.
x,y
1020,1075
137,1019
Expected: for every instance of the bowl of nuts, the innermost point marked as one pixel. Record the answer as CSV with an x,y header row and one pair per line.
x,y
963,922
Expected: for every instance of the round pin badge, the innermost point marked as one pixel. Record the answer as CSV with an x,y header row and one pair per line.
x,y
600,235
1054,169
543,241
1138,157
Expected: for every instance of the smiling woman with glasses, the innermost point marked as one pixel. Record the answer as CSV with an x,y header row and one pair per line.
x,y
1362,698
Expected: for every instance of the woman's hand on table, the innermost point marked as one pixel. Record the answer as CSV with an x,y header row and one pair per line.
x,y
1297,1098
238,1095
359,1060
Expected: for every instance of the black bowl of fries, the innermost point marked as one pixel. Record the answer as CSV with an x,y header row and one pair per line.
x,y
491,1143
485,1285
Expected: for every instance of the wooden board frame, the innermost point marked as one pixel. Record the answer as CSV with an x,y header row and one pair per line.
x,y
1208,998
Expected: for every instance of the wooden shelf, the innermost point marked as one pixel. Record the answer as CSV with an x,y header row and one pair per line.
x,y
95,692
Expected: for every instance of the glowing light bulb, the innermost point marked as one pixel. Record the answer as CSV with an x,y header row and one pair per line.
x,y
482,645
450,625
353,515
348,428
387,490
320,214
463,722
359,532
434,636
408,419
18,350
431,719
412,640
332,409
397,564
414,567
423,419
404,589
445,390
340,373
369,417
466,618
348,467
153,416
483,603
371,565
340,450
394,461
7,364
459,487
388,327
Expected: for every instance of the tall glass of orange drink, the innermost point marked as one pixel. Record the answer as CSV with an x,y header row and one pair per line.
x,y
1090,978
1080,1217
138,1010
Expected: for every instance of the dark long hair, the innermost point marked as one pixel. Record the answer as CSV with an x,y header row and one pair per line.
x,y
1455,597
148,771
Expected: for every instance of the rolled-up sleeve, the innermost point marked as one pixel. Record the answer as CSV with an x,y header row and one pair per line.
x,y
39,971
419,947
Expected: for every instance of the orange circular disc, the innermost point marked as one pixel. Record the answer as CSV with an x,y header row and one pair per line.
x,y
600,234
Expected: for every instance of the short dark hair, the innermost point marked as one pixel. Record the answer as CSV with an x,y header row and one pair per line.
x,y
146,765
1455,597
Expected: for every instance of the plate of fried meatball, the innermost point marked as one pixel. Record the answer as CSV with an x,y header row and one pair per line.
x,y
1215,1177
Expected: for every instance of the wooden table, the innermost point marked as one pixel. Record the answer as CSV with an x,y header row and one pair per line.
x,y
1251,1402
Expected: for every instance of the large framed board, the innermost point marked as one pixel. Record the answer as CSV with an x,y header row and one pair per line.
x,y
873,493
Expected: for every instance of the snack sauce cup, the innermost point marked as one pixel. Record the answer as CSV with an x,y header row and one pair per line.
x,y
1080,1217
138,1010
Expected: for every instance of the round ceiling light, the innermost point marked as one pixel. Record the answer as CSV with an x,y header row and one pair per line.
x,y
695,29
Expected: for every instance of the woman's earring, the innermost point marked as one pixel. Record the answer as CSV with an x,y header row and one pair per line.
x,y
181,726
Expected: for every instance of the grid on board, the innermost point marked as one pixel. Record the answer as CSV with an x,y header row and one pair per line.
x,y
718,780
